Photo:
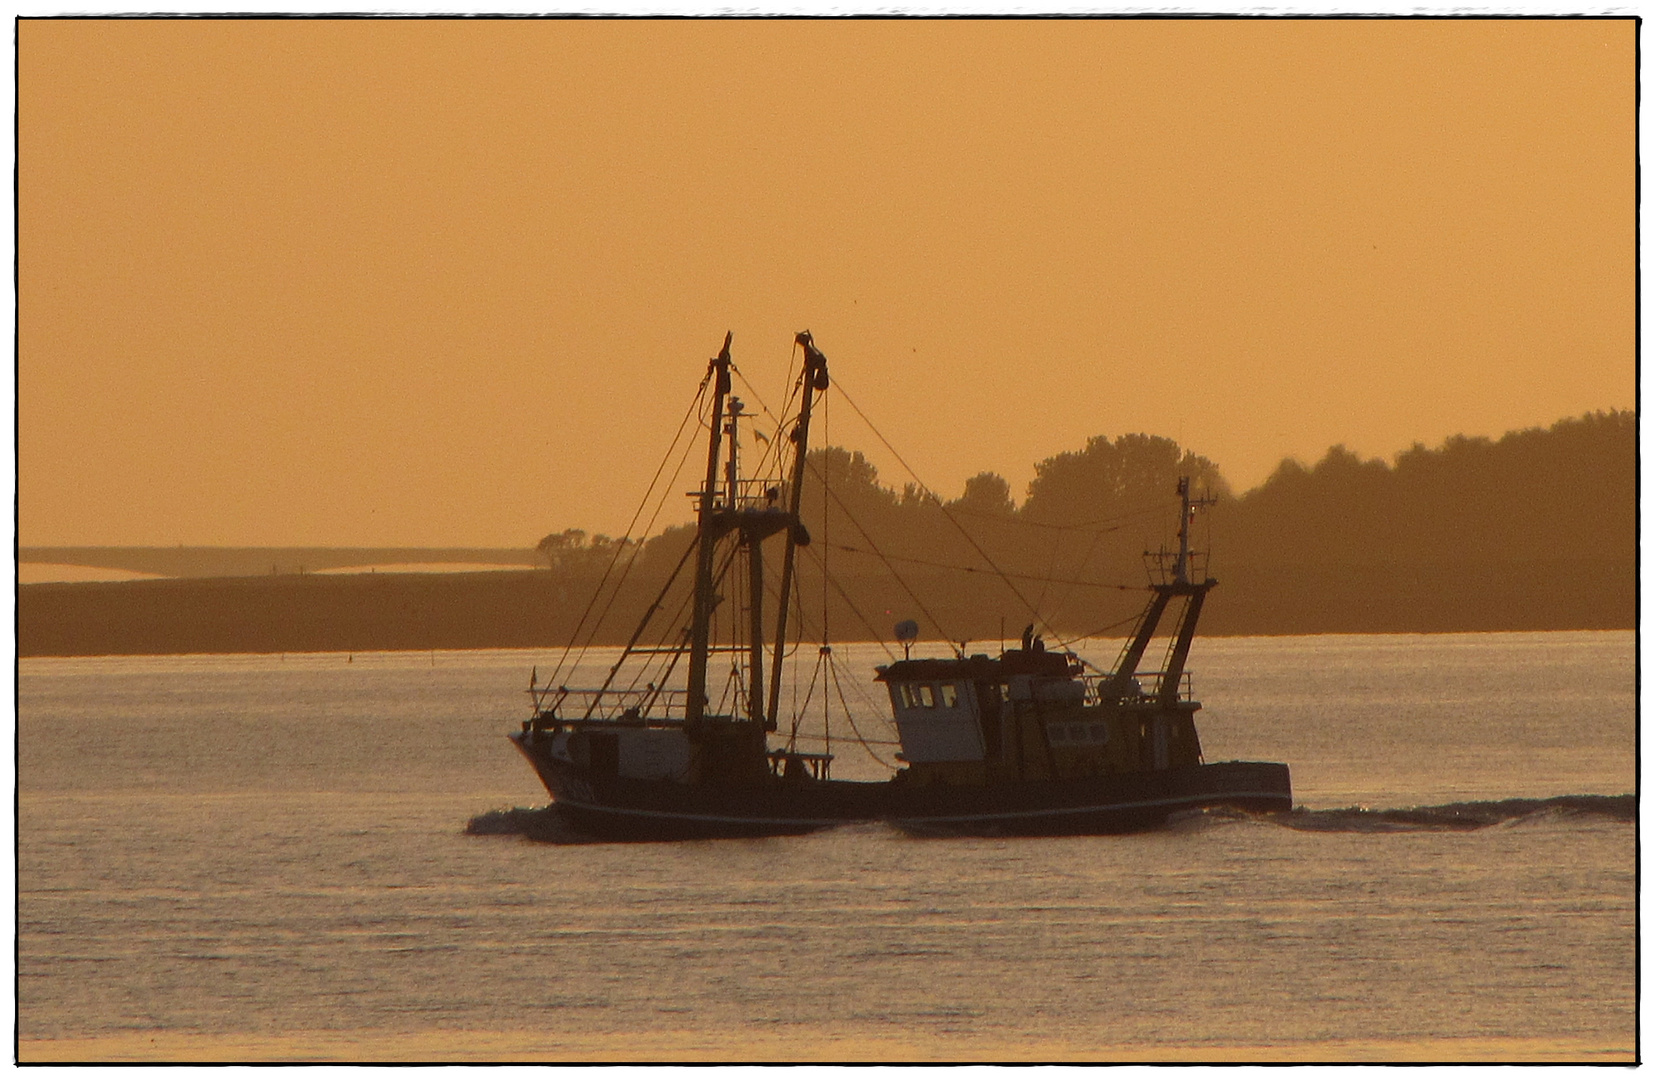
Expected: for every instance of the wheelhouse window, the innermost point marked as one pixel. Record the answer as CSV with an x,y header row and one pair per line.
x,y
929,696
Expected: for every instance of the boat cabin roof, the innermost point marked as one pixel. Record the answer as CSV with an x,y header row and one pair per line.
x,y
982,667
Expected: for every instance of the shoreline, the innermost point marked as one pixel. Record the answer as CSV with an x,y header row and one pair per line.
x,y
975,646
509,609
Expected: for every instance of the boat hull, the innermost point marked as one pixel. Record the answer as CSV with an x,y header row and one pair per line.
x,y
624,809
1122,802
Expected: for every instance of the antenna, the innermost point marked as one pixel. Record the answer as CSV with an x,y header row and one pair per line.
x,y
907,632
1187,509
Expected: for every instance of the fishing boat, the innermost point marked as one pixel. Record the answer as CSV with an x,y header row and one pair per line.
x,y
1032,741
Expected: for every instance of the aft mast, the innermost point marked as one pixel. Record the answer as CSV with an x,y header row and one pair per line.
x,y
815,381
1195,594
695,705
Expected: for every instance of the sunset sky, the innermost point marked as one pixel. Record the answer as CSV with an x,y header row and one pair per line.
x,y
454,283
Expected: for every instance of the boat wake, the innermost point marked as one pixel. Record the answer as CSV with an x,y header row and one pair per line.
x,y
541,823
1448,817
546,825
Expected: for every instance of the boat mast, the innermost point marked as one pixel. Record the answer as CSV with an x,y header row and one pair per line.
x,y
1186,517
1180,585
815,378
695,704
752,539
1196,591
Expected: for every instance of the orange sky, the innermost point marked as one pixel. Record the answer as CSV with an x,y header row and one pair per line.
x,y
453,283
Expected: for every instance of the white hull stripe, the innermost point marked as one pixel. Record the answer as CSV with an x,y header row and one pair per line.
x,y
1000,816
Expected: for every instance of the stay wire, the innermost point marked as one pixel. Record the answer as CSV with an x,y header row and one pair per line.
x,y
838,685
1120,520
871,742
660,505
649,492
1100,631
875,710
986,570
772,445
874,550
840,589
678,621
678,616
649,613
810,692
825,656
695,404
850,516
1051,568
1080,568
793,658
945,512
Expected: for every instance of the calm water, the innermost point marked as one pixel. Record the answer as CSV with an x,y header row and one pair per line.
x,y
265,857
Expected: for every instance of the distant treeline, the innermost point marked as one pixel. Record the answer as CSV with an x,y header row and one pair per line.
x,y
1536,530
1533,531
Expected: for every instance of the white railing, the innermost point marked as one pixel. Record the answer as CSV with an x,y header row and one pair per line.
x,y
656,705
759,495
1145,685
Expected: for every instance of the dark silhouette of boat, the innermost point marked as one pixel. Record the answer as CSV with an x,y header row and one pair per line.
x,y
1024,743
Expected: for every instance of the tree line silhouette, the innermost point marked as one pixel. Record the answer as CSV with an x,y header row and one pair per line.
x,y
1535,530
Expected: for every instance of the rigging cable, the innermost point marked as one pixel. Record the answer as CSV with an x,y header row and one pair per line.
x,y
851,604
793,659
825,656
695,404
676,620
598,592
1051,568
1120,519
871,705
875,710
638,550
772,444
874,550
798,638
986,570
833,669
810,692
689,597
969,538
827,489
649,613
1080,568
676,654
1099,632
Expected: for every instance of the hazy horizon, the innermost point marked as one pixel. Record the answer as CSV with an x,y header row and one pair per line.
x,y
447,284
